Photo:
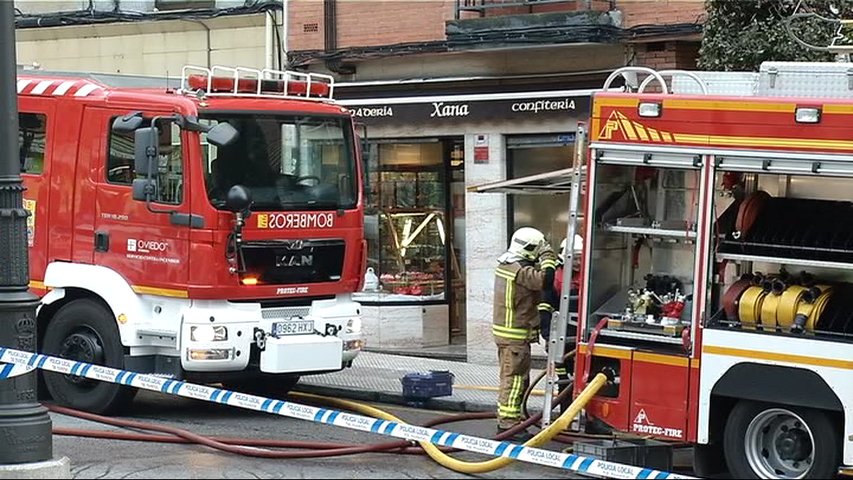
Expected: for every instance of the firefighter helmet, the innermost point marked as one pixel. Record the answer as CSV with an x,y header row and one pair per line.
x,y
577,247
526,242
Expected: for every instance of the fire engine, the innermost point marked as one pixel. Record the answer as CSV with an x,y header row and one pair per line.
x,y
718,266
208,227
717,271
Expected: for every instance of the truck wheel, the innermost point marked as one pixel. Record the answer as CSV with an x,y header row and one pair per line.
x,y
708,460
85,331
780,441
272,386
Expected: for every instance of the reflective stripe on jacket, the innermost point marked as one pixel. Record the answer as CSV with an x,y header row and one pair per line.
x,y
518,290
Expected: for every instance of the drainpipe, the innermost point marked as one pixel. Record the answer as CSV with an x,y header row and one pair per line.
x,y
285,31
275,43
330,30
268,41
207,29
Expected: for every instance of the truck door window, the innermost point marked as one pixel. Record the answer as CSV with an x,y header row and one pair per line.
x,y
169,172
31,141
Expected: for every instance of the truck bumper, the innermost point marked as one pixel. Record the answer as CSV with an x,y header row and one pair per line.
x,y
220,336
302,353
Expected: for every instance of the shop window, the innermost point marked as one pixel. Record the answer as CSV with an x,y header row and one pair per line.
x,y
406,221
169,171
531,155
32,128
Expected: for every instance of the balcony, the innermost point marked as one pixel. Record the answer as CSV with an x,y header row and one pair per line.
x,y
501,23
497,8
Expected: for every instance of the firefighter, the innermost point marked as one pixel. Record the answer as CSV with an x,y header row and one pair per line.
x,y
518,289
551,303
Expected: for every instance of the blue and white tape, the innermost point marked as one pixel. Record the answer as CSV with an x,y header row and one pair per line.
x,y
585,465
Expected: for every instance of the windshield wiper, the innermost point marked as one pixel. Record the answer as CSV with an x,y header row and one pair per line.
x,y
310,204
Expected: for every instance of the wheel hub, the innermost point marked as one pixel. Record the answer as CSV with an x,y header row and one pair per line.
x,y
82,346
793,445
779,444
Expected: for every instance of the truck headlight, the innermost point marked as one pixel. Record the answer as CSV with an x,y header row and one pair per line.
x,y
354,325
208,333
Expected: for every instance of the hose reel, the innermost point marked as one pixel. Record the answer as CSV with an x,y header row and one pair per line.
x,y
776,303
800,228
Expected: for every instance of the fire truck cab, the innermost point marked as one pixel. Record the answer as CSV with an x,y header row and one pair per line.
x,y
209,230
718,266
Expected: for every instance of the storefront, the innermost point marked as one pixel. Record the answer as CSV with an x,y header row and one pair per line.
x,y
432,243
414,226
534,154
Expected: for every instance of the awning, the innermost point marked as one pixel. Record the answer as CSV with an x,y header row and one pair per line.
x,y
557,181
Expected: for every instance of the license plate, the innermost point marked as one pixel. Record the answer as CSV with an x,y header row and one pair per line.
x,y
293,327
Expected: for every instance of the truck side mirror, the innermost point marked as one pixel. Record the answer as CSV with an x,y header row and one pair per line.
x,y
144,189
222,134
239,199
361,134
127,123
145,156
146,149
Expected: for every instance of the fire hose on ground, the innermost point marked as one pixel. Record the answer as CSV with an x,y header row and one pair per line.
x,y
13,362
249,447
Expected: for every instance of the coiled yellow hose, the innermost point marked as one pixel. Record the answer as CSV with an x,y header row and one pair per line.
x,y
749,307
789,303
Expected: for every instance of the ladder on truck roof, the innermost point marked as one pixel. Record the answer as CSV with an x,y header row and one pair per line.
x,y
773,79
251,82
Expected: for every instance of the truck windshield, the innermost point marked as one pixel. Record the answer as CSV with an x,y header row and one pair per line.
x,y
288,162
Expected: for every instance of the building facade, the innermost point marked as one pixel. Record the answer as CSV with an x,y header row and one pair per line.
x,y
452,94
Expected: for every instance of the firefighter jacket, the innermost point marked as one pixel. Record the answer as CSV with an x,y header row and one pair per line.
x,y
551,302
518,290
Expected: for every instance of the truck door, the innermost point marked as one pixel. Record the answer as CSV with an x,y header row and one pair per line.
x,y
35,130
142,242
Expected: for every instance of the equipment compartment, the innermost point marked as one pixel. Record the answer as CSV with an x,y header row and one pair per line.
x,y
643,246
790,238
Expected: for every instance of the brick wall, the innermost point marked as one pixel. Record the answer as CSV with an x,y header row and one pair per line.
x,y
305,25
369,22
660,12
667,55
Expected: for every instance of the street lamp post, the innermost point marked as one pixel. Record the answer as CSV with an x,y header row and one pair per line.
x,y
25,426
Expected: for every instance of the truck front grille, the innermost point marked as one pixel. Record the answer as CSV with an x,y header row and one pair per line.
x,y
284,313
285,262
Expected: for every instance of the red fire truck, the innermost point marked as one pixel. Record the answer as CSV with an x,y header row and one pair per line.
x,y
209,230
718,266
717,288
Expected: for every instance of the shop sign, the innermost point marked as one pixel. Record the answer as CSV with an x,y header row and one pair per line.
x,y
448,112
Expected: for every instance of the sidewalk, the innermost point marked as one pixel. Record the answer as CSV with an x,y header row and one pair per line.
x,y
376,377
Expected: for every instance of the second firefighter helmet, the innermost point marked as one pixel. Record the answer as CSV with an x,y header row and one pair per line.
x,y
526,242
577,247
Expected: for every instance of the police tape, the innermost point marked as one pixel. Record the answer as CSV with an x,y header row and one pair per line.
x,y
17,361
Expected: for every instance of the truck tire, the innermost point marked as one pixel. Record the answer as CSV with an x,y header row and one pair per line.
x,y
780,441
708,460
84,330
272,386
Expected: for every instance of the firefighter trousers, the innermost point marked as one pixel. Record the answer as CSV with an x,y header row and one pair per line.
x,y
514,361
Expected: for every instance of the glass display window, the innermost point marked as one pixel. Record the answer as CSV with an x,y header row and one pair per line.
x,y
530,155
406,222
